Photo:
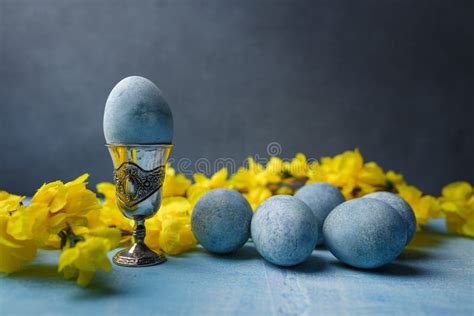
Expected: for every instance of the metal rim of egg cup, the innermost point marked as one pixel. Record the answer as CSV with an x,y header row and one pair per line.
x,y
137,164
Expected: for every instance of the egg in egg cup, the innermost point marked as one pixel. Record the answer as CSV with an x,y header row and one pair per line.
x,y
138,128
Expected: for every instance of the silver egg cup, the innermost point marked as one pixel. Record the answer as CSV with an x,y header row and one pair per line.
x,y
139,175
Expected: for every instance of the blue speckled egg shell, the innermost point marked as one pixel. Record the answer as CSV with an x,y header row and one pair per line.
x,y
365,233
137,113
221,221
321,198
402,207
284,230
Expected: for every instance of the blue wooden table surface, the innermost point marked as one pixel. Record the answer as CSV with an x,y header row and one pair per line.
x,y
433,276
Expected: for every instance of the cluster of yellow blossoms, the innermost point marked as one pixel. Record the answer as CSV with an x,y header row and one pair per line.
x,y
70,217
59,216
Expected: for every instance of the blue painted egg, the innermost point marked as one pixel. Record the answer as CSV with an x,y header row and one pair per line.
x,y
365,233
137,113
221,220
402,207
321,198
284,230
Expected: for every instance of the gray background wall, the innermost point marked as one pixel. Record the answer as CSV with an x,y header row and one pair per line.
x,y
394,78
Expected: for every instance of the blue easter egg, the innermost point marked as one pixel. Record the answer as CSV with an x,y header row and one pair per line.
x,y
365,233
221,219
284,230
137,113
402,207
321,198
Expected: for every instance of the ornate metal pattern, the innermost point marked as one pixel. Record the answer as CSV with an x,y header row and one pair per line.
x,y
133,262
134,184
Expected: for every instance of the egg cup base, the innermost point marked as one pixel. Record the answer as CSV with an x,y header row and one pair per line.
x,y
138,255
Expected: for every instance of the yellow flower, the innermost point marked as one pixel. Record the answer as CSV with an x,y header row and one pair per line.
x,y
108,191
110,214
457,204
276,167
256,176
244,179
67,204
316,173
27,223
13,252
424,206
176,236
195,192
257,183
84,257
254,181
298,166
371,178
175,217
20,227
174,206
153,231
285,190
203,184
80,200
111,234
395,179
349,172
175,184
217,180
9,202
257,195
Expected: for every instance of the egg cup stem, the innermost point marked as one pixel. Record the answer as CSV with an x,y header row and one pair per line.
x,y
139,231
138,255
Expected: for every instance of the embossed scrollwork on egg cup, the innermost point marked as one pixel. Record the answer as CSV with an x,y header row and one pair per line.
x,y
139,175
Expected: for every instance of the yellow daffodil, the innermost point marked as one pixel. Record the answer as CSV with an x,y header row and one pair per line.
x,y
217,180
395,179
370,178
13,252
28,223
82,259
202,184
257,195
175,218
176,236
9,202
175,184
110,214
245,179
256,175
153,231
457,203
349,172
285,190
316,173
276,167
174,206
67,204
20,227
298,166
424,206
108,191
195,192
